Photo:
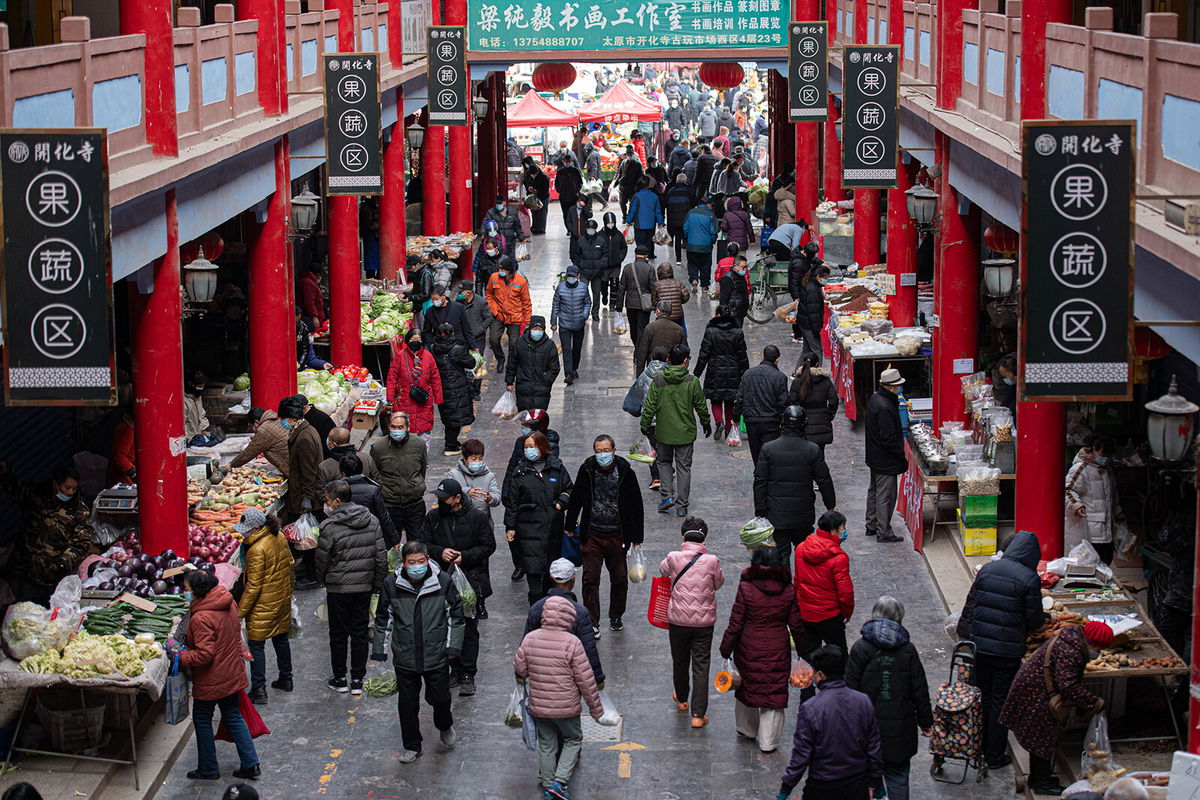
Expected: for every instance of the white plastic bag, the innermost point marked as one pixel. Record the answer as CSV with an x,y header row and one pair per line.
x,y
734,439
522,251
619,325
614,193
636,564
611,716
661,236
466,592
1084,554
506,406
303,532
1124,541
297,629
628,233
1097,749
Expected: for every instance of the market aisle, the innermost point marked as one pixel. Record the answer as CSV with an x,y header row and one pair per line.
x,y
329,744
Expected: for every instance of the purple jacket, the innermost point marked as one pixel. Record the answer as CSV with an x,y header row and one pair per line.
x,y
736,223
836,738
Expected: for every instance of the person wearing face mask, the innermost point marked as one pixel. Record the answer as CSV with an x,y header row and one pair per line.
x,y
884,455
532,366
507,222
487,259
607,504
1093,505
339,446
589,253
195,418
458,535
351,562
810,309
478,320
784,476
443,311
570,309
414,384
425,612
535,497
482,490
266,601
304,462
420,275
402,460
576,217
734,286
270,440
568,182
618,249
824,589
55,534
511,307
591,170
1004,382
675,116
454,364
537,184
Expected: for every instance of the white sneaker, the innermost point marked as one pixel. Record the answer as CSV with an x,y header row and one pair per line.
x,y
409,756
449,737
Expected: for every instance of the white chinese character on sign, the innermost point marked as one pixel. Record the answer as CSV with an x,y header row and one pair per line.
x,y
352,88
1090,144
56,265
514,17
41,152
567,19
621,18
1070,145
541,17
1114,144
871,80
52,198
595,19
674,20
1079,191
1078,259
871,116
489,18
647,15
353,124
64,151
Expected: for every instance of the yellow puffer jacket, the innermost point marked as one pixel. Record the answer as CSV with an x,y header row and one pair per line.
x,y
266,604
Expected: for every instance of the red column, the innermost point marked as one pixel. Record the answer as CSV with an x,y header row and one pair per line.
x,y
831,17
433,180
860,22
1194,703
866,227
807,145
949,68
157,360
1041,427
272,343
957,282
460,144
901,248
395,42
154,19
833,158
272,67
393,243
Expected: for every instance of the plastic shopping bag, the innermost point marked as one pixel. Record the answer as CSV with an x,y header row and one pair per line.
x,y
466,592
628,233
303,532
506,406
528,726
254,721
614,193
660,601
661,236
637,452
178,695
1097,749
734,439
297,629
522,251
619,325
727,677
512,714
635,564
757,531
611,716
801,675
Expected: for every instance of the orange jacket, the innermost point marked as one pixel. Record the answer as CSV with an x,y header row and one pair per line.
x,y
509,299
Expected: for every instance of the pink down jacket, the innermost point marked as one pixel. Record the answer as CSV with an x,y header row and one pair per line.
x,y
694,596
555,666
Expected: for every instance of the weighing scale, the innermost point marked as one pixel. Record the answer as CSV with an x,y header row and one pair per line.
x,y
120,499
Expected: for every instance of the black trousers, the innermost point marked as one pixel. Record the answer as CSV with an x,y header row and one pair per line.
x,y
468,660
691,655
407,520
538,221
538,586
780,250
827,631
699,265
644,237
679,241
452,432
760,432
638,320
572,344
836,790
995,676
408,700
349,618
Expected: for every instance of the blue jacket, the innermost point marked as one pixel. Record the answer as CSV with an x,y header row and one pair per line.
x,y
837,738
700,229
645,210
571,306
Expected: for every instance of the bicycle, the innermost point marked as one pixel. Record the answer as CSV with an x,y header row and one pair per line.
x,y
763,300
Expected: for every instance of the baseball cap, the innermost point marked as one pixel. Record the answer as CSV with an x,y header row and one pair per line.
x,y
572,270
252,519
447,488
562,570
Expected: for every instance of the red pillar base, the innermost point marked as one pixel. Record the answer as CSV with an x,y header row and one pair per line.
x,y
433,181
866,227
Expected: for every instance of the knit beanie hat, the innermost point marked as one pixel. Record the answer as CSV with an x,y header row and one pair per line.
x,y
1098,634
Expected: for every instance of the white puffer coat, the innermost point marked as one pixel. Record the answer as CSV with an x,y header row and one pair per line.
x,y
1092,486
553,662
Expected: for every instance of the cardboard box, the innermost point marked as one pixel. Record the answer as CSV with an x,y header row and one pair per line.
x,y
977,541
365,415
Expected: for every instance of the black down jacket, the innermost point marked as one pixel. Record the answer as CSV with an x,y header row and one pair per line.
x,y
452,358
784,476
1005,602
618,248
469,531
810,312
797,268
529,509
762,394
820,407
531,369
350,555
723,359
885,666
368,494
631,518
590,254
885,438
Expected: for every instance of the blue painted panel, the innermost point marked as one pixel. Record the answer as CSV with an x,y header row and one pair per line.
x,y
883,31
971,63
1064,92
994,77
388,111
1116,100
117,103
307,141
50,110
139,234
211,197
245,72
910,42
926,45
183,88
1017,82
308,57
1163,291
849,29
368,40
987,184
331,44
870,31
291,62
214,82
383,40
1180,121
841,22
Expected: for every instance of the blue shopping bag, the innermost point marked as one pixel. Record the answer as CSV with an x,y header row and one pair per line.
x,y
572,548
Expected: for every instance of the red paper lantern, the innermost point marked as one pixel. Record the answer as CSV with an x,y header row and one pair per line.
x,y
1002,239
212,243
722,74
553,76
1149,345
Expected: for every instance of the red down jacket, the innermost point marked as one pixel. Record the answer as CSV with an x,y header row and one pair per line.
x,y
823,586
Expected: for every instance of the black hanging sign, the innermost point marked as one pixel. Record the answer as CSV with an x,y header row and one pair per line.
x,y
353,125
870,116
808,73
447,75
56,284
1077,260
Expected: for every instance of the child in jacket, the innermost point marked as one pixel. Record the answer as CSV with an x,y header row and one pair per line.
x,y
695,578
823,586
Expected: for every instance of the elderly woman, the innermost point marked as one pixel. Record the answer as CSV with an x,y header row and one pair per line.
x,y
1059,663
215,656
1092,502
885,666
266,601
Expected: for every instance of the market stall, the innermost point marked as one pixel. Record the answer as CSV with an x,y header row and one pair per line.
x,y
534,112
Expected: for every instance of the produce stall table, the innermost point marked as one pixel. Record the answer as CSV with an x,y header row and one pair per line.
x,y
856,378
123,690
916,483
452,244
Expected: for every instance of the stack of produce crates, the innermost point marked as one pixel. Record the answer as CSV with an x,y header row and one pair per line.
x,y
977,515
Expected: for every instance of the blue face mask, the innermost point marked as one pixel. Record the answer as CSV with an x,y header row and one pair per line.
x,y
845,533
572,281
1102,461
536,334
460,296
63,498
604,459
287,426
416,571
525,431
475,466
1009,382
532,454
398,436
189,596
499,206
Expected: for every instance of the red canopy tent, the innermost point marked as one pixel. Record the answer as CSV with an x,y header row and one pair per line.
x,y
533,111
621,104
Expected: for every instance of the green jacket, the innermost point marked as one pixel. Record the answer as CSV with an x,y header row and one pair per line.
x,y
427,623
401,468
674,401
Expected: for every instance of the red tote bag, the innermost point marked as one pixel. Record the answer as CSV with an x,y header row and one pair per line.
x,y
249,713
660,595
